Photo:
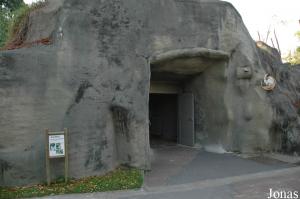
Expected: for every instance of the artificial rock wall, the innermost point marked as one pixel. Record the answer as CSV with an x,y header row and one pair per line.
x,y
95,76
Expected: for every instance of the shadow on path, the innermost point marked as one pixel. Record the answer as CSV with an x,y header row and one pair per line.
x,y
173,165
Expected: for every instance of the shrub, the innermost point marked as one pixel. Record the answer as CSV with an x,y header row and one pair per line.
x,y
17,27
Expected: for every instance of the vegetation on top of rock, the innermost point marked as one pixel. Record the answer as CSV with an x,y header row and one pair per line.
x,y
11,4
14,18
17,27
7,10
294,58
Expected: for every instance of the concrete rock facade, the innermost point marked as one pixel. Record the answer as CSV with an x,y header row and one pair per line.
x,y
95,80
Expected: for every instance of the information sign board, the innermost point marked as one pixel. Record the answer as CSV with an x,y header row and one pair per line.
x,y
57,145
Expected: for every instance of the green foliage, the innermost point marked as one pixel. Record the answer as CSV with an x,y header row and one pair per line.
x,y
14,15
17,22
120,179
11,5
7,9
4,23
294,58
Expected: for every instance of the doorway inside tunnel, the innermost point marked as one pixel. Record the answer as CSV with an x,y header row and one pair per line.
x,y
163,119
171,114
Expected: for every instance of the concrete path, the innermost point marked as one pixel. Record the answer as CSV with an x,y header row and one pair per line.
x,y
173,164
186,173
250,186
213,166
168,161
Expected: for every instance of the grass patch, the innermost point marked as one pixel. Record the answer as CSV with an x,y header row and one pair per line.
x,y
120,179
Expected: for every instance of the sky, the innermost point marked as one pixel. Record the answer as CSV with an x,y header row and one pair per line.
x,y
29,1
262,15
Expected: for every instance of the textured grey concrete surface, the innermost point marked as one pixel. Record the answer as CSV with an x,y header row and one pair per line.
x,y
251,186
223,192
174,164
213,166
94,79
284,100
168,161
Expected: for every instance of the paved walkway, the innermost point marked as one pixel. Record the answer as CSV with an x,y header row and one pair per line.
x,y
250,186
168,161
173,164
186,173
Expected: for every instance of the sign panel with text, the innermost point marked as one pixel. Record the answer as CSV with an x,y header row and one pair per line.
x,y
57,145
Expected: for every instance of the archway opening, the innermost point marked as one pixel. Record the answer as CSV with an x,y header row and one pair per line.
x,y
172,90
182,83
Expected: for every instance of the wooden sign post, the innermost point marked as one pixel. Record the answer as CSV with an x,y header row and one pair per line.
x,y
56,147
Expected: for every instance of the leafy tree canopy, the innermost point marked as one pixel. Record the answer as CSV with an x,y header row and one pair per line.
x,y
8,9
11,5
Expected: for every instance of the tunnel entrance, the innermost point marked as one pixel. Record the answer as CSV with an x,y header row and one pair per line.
x,y
177,81
186,95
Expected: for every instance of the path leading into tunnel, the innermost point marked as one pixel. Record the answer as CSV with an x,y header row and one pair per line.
x,y
168,159
180,172
249,186
174,165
